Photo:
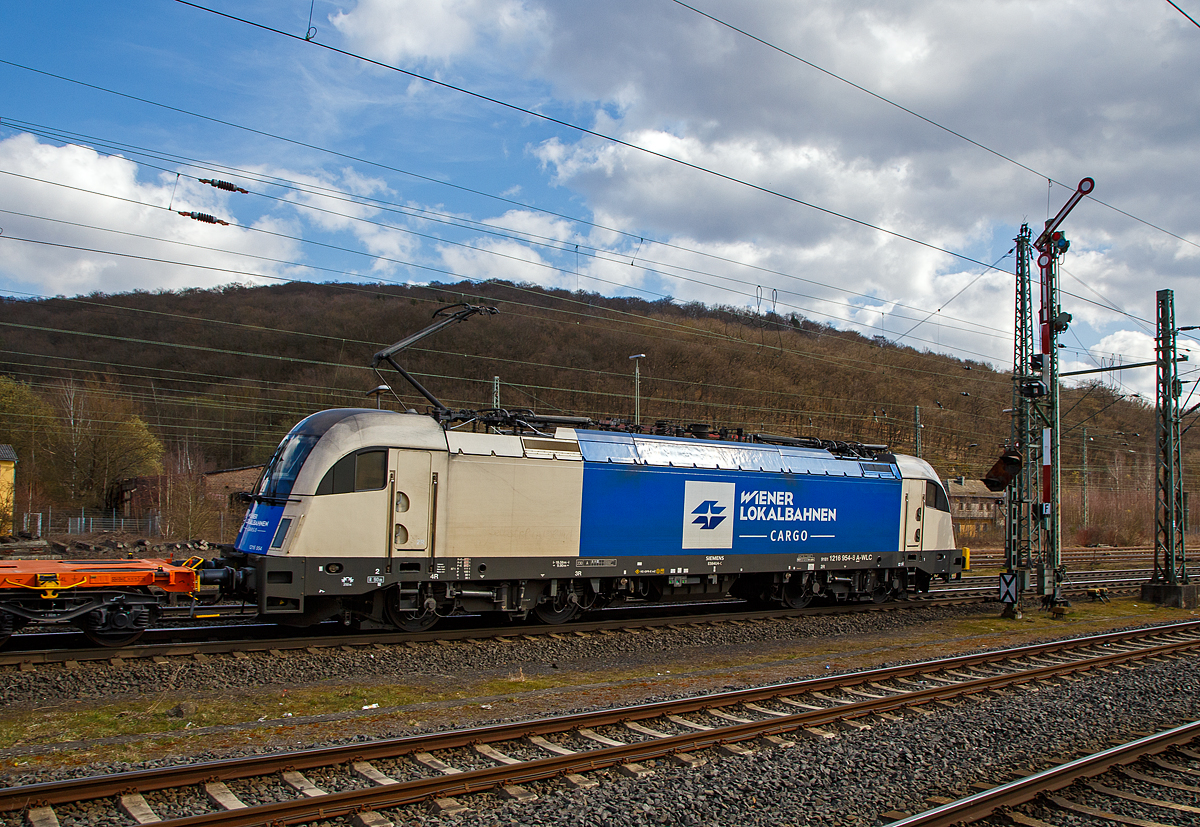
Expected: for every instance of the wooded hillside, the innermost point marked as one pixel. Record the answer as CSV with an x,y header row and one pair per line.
x,y
218,376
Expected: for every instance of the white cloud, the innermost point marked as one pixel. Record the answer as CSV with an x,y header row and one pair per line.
x,y
1128,347
399,31
1103,89
671,81
326,202
75,184
506,260
535,225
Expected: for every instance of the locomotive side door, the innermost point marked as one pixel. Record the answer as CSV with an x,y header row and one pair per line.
x,y
914,514
410,503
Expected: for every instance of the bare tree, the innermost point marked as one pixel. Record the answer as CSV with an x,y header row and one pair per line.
x,y
99,440
186,509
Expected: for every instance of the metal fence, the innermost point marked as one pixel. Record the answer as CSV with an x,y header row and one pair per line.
x,y
43,523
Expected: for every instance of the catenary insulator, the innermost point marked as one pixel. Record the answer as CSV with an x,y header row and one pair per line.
x,y
223,185
203,216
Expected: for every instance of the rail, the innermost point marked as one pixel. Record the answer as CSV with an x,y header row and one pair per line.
x,y
1026,789
890,689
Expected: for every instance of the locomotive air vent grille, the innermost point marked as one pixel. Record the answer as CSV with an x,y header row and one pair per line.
x,y
878,469
551,448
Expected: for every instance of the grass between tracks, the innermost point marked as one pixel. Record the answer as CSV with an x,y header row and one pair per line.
x,y
273,717
174,713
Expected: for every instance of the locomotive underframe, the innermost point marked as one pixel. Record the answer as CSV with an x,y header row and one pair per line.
x,y
305,590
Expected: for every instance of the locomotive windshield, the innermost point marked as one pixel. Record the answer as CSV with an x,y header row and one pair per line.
x,y
280,475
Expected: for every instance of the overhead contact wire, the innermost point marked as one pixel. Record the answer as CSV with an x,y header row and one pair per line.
x,y
585,131
932,122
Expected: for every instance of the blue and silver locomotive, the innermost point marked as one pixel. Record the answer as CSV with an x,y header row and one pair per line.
x,y
383,518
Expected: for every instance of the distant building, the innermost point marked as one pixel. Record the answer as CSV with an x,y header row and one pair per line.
x,y
222,487
142,497
974,508
8,487
137,495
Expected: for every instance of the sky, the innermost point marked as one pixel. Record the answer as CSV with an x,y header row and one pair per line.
x,y
865,165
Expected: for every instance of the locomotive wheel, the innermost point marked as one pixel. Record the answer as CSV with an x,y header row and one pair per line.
x,y
414,622
755,589
113,640
411,620
562,607
549,613
881,594
796,596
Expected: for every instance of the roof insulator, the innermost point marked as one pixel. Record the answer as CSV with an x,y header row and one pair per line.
x,y
223,185
203,216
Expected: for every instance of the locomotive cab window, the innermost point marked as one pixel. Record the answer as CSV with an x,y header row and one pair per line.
x,y
363,471
370,470
280,475
935,497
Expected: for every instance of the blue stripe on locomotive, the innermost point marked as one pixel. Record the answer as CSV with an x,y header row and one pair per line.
x,y
258,529
661,496
645,510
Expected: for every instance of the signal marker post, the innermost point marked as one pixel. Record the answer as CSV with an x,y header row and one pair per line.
x,y
1032,526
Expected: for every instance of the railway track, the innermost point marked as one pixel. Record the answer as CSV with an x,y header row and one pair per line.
x,y
29,649
361,779
1074,557
266,637
1105,786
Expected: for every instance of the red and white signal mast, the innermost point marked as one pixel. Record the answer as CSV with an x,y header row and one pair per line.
x,y
1033,542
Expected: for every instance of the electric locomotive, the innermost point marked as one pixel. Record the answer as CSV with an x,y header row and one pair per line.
x,y
394,519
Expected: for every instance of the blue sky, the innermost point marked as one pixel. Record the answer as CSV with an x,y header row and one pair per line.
x,y
402,180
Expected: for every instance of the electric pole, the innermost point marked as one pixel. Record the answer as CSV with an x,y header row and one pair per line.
x,y
1022,542
1084,480
916,430
1168,481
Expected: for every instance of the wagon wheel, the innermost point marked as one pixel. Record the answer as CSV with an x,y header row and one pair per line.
x,y
116,625
9,623
113,640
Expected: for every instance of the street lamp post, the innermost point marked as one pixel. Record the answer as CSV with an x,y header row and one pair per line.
x,y
637,388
